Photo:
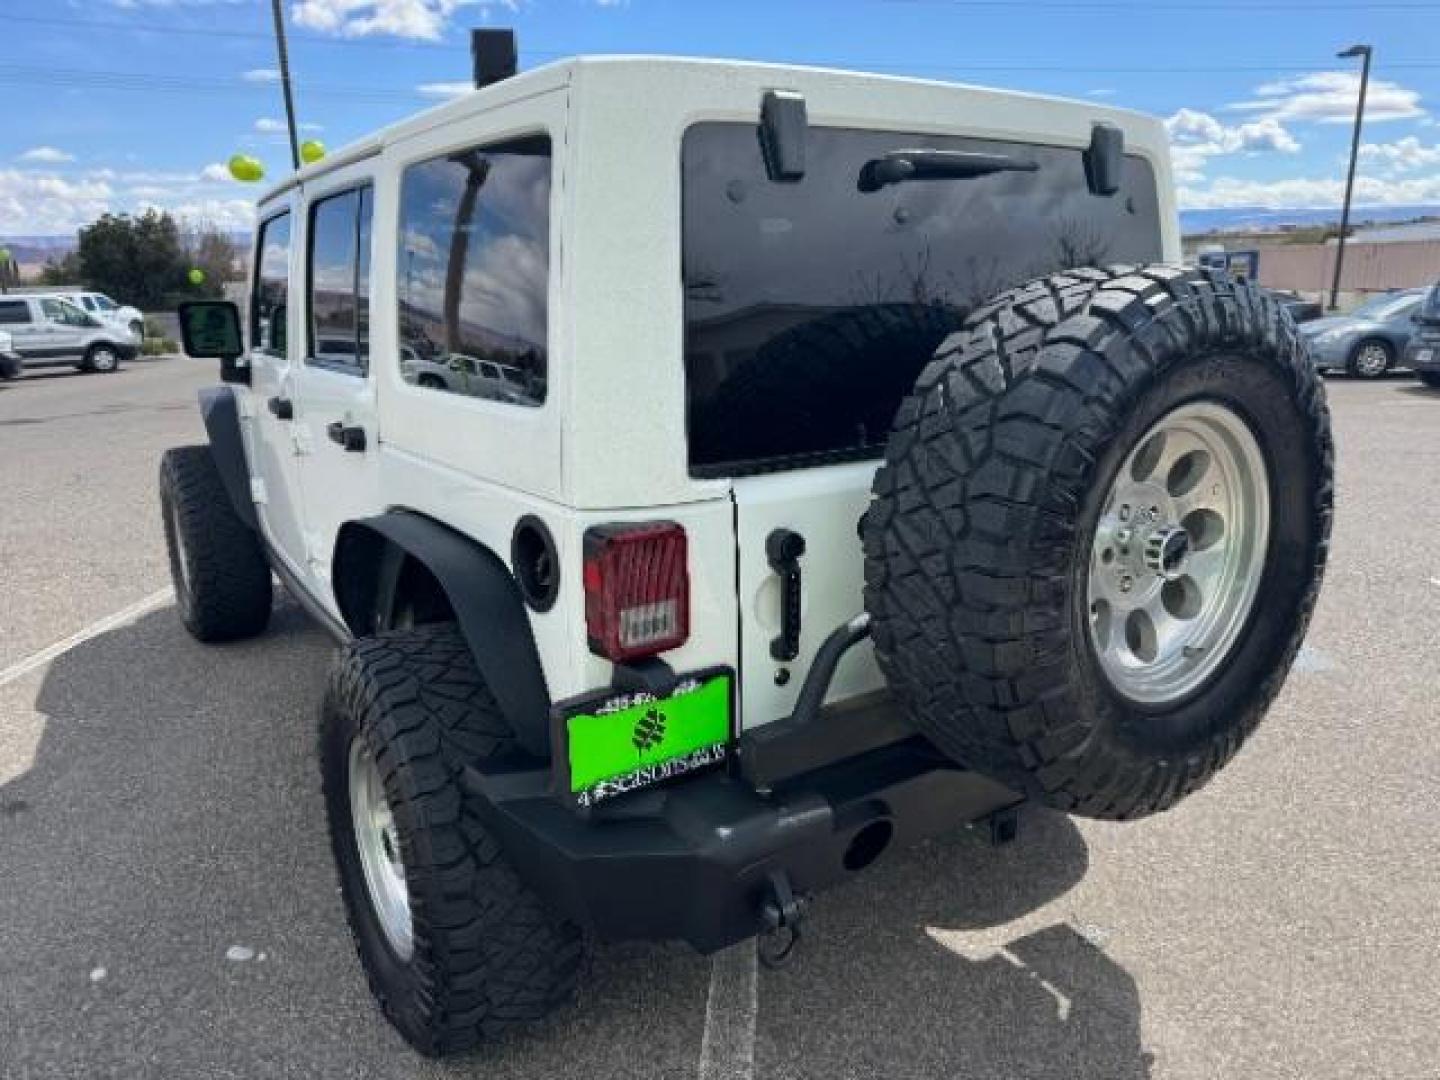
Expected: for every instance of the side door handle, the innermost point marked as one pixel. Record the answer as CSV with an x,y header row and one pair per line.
x,y
281,408
351,438
783,549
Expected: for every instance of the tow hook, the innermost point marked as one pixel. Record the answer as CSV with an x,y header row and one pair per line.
x,y
783,911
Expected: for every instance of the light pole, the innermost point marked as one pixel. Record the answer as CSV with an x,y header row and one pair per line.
x,y
285,82
1365,52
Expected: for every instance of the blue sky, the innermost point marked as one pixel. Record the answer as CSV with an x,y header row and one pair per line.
x,y
121,104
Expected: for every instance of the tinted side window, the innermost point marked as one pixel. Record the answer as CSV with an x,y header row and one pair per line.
x,y
65,313
474,271
271,295
810,308
339,263
14,312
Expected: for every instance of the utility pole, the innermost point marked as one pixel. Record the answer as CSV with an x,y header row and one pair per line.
x,y
285,82
1365,52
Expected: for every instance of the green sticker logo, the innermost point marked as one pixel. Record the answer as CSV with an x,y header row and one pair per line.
x,y
649,731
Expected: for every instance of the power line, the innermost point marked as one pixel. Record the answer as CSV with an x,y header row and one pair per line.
x,y
73,78
458,48
1086,7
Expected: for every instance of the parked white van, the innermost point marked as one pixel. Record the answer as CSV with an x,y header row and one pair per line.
x,y
52,330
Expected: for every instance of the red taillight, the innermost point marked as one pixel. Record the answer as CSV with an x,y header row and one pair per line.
x,y
637,589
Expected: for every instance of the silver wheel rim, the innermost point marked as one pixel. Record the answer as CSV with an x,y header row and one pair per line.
x,y
1178,553
379,847
103,360
1371,360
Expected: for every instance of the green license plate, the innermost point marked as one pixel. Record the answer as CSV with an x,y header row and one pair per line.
x,y
611,743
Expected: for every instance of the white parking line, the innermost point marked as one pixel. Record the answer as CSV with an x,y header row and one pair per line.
x,y
727,1049
122,617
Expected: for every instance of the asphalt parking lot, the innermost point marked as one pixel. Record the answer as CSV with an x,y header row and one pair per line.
x,y
168,906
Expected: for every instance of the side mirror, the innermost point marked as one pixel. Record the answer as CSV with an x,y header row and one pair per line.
x,y
210,330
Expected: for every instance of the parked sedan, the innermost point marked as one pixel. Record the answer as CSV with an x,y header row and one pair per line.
x,y
1423,355
1370,340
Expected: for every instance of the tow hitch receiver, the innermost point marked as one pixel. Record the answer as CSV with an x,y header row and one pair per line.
x,y
782,913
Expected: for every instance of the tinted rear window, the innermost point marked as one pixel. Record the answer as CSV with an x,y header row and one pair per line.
x,y
474,271
811,307
13,312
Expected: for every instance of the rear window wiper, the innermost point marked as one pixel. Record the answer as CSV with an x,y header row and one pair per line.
x,y
899,166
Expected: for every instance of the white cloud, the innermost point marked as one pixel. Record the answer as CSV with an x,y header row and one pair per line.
x,y
1330,97
267,125
1196,137
444,89
42,204
424,20
231,215
47,155
260,75
1402,156
1226,191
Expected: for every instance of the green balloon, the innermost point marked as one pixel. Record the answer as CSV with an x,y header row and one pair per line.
x,y
4,255
196,276
246,169
311,151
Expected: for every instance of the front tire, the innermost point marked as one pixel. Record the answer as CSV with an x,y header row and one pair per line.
x,y
217,565
455,946
1371,359
1007,484
1430,379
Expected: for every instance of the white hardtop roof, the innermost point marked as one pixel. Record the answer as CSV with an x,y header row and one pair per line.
x,y
562,73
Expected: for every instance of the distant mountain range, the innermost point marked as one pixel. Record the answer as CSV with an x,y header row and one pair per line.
x,y
1264,219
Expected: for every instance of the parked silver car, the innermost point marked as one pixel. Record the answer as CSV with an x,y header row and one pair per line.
x,y
1370,340
52,330
11,365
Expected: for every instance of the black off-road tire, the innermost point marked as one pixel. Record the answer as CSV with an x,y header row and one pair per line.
x,y
979,538
1430,379
487,953
222,581
822,382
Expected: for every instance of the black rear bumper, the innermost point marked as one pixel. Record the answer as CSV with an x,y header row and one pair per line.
x,y
697,860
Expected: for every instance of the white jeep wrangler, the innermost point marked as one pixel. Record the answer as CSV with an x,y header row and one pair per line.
x,y
866,466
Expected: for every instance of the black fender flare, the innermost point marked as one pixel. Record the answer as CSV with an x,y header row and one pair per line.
x,y
481,591
221,413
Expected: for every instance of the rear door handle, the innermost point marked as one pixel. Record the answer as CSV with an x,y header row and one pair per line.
x,y
351,438
783,548
281,408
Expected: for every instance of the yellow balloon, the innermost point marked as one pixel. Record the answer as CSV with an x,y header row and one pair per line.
x,y
246,169
311,151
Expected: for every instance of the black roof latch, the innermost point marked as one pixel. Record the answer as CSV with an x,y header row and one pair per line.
x,y
1105,159
783,125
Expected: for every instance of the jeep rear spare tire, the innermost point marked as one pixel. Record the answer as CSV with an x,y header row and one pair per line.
x,y
1100,531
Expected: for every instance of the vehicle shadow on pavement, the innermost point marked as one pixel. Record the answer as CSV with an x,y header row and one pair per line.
x,y
169,908
939,963
170,816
